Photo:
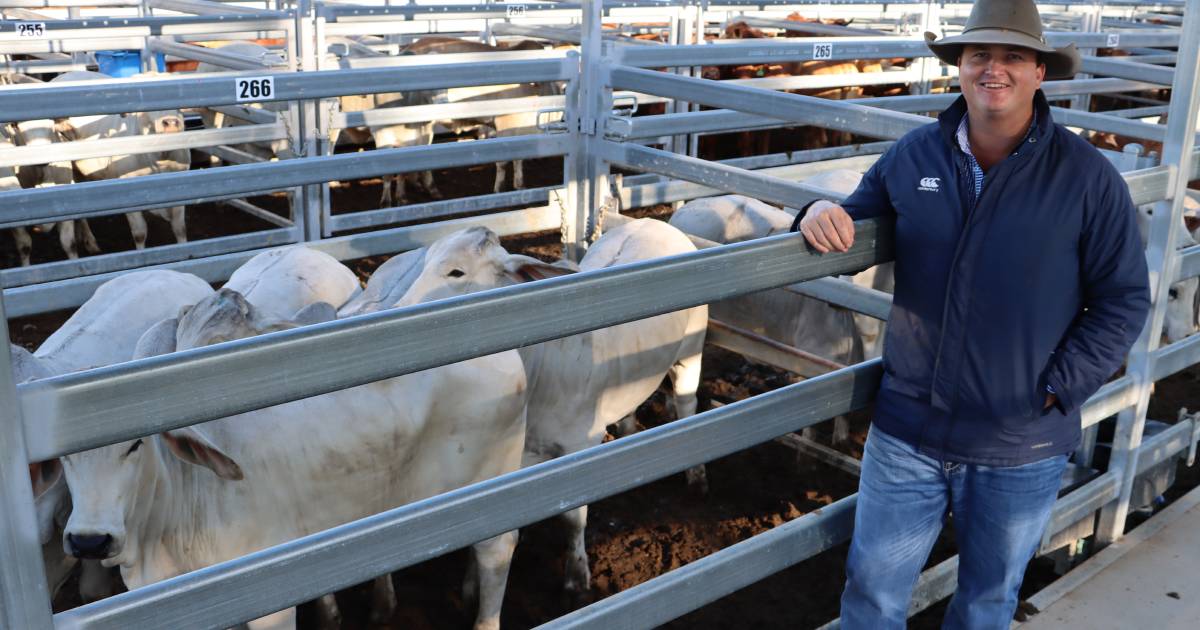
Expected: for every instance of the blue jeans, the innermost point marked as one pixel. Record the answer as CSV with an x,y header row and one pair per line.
x,y
903,497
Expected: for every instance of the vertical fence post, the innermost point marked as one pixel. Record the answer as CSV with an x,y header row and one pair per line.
x,y
309,141
324,139
24,598
699,9
1089,23
293,120
1163,261
587,110
146,57
931,21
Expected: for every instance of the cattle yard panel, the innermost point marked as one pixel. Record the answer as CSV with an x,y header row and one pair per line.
x,y
1162,258
686,443
24,596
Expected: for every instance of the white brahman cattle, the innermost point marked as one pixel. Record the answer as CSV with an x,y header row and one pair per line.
x,y
41,133
103,331
798,321
281,282
134,165
579,385
275,474
33,133
1180,319
289,283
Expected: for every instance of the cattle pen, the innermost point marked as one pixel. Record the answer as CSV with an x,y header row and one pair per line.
x,y
612,161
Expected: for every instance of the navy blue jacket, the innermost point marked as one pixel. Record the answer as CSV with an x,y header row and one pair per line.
x,y
1041,281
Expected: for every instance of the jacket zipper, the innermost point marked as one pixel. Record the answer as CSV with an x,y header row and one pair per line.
x,y
963,168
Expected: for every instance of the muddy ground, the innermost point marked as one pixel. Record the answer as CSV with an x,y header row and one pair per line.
x,y
637,535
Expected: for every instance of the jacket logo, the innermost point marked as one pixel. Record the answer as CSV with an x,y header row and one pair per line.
x,y
929,184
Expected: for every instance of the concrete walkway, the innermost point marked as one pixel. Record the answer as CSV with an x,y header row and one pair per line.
x,y
1148,581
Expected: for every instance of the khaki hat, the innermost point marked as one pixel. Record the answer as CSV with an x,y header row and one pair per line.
x,y
1007,22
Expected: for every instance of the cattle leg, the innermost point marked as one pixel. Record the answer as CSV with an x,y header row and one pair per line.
x,y
492,560
685,381
66,238
470,590
429,186
401,189
841,430
385,198
501,168
137,226
383,599
327,612
518,174
24,245
89,240
578,576
178,218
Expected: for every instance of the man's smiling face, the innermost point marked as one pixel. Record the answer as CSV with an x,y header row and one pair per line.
x,y
998,80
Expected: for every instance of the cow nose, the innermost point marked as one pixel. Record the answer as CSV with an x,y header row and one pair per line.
x,y
89,545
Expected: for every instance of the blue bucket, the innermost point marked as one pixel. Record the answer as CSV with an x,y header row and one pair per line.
x,y
125,63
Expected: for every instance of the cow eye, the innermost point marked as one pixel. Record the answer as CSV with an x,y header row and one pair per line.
x,y
456,273
1174,294
136,443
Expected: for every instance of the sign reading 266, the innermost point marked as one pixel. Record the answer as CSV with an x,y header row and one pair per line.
x,y
254,88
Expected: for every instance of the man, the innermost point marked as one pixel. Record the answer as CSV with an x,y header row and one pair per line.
x,y
1020,286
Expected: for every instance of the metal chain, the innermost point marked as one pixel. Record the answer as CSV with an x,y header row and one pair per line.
x,y
286,116
556,197
612,204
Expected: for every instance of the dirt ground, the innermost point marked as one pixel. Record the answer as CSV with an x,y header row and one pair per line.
x,y
636,535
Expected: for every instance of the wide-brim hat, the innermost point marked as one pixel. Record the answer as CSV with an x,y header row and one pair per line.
x,y
1011,23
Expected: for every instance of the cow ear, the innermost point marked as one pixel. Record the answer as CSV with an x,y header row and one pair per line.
x,y
26,366
527,269
316,313
158,339
192,447
43,475
264,326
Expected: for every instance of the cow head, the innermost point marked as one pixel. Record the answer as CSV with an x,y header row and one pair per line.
x,y
223,316
741,30
168,121
116,489
472,260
